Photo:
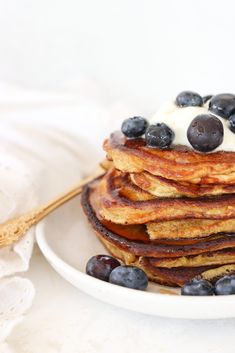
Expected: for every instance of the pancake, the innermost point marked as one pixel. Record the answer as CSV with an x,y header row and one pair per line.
x,y
189,228
136,245
162,187
178,276
115,203
139,233
177,163
126,188
214,274
225,256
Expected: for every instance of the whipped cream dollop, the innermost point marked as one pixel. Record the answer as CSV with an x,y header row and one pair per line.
x,y
179,119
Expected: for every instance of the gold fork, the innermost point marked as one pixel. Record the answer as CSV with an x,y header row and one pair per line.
x,y
12,230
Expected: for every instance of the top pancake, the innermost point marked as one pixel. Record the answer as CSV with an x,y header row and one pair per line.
x,y
178,163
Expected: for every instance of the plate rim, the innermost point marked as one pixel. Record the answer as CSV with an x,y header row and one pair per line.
x,y
157,298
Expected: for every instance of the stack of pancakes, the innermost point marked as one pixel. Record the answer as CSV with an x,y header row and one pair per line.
x,y
169,211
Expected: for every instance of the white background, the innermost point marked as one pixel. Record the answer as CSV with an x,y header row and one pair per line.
x,y
142,51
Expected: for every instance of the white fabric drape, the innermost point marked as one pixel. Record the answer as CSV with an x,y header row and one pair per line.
x,y
47,143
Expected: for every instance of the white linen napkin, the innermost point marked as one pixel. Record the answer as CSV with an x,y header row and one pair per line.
x,y
35,166
47,143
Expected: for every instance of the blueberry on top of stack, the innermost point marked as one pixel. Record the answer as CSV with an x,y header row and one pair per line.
x,y
167,202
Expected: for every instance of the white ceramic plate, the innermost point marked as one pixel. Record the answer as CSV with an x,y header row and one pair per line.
x,y
67,241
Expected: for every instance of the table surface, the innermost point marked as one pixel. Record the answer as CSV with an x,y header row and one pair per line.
x,y
65,320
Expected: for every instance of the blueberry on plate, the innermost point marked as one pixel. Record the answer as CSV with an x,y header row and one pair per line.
x,y
223,105
198,287
189,99
134,127
159,135
207,98
205,132
231,123
129,276
225,285
100,266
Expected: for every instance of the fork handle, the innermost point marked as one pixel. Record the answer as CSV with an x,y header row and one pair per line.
x,y
13,229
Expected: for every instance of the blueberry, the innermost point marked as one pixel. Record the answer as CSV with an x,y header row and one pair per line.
x,y
129,276
189,99
205,132
225,285
159,135
134,127
223,105
231,122
197,287
206,98
100,266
